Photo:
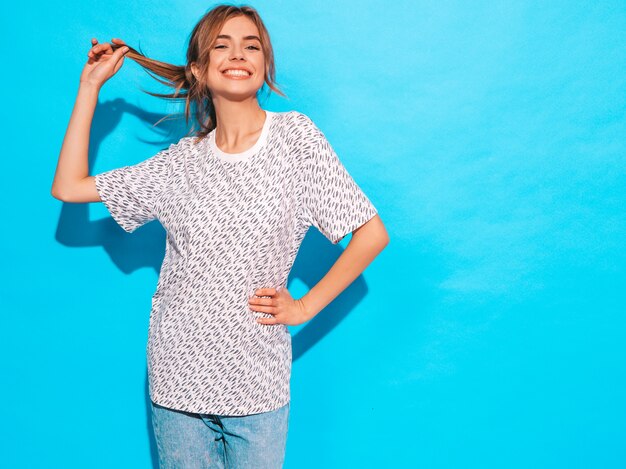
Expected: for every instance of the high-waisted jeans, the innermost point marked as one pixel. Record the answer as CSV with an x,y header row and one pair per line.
x,y
189,441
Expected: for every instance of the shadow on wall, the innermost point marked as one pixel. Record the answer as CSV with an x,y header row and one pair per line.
x,y
146,246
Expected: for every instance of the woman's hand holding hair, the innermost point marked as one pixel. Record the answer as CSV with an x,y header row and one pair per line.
x,y
104,62
72,182
281,305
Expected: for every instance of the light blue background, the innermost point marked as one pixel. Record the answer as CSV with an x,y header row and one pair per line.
x,y
489,334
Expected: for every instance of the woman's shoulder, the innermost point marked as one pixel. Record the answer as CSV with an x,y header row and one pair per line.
x,y
187,144
173,154
296,121
295,117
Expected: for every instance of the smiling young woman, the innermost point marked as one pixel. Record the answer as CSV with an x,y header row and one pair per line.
x,y
236,197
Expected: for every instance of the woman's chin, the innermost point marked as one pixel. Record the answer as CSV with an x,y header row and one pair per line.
x,y
235,93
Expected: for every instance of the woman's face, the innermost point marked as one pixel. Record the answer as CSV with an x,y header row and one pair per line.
x,y
236,61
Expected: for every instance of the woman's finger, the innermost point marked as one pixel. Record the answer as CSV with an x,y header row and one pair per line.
x,y
265,292
268,321
263,301
118,56
94,42
99,48
105,47
265,309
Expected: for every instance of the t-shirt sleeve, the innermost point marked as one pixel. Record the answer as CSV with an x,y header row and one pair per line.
x,y
332,200
130,192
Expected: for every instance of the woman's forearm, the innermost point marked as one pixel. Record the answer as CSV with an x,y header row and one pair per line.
x,y
73,164
366,243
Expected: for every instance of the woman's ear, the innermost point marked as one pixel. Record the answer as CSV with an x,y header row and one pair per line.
x,y
194,70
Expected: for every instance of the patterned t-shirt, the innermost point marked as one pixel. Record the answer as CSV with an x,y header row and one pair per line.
x,y
234,224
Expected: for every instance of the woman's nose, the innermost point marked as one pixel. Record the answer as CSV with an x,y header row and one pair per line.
x,y
236,54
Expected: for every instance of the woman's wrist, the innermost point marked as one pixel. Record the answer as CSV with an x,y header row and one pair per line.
x,y
89,87
307,307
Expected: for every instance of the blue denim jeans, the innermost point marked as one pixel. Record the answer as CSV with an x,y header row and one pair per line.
x,y
189,441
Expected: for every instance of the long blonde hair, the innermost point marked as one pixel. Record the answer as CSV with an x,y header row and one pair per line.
x,y
196,92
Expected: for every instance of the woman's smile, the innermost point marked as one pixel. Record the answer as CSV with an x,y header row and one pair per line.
x,y
237,74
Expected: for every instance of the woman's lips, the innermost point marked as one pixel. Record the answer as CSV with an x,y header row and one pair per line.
x,y
238,76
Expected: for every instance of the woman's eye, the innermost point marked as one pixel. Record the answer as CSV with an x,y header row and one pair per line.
x,y
221,46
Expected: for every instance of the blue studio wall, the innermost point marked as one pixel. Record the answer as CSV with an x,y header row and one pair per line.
x,y
489,334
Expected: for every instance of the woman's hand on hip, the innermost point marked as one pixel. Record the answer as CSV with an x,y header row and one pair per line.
x,y
280,304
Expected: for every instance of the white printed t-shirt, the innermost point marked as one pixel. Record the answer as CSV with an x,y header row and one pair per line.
x,y
234,224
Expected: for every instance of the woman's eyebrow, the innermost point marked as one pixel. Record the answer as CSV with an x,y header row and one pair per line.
x,y
226,36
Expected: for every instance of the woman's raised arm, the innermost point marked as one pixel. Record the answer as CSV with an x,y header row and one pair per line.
x,y
72,182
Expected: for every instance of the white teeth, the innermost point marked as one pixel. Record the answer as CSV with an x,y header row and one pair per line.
x,y
242,73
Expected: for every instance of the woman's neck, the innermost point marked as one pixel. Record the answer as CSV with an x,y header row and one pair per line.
x,y
239,124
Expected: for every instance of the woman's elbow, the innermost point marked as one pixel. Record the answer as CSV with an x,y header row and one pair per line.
x,y
374,231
